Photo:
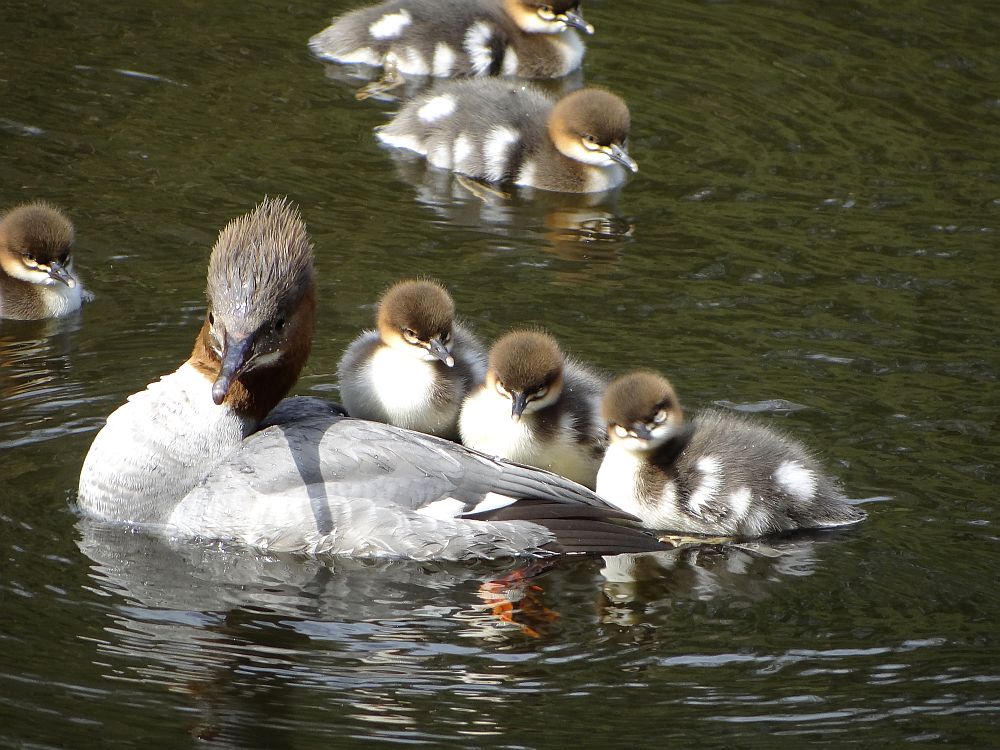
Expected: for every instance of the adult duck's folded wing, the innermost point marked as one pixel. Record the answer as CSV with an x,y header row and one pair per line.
x,y
312,480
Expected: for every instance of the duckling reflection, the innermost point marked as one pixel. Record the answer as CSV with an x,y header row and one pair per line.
x,y
405,88
638,588
574,226
36,382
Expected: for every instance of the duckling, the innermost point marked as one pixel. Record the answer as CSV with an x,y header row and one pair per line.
x,y
538,408
498,131
722,475
37,279
458,38
415,369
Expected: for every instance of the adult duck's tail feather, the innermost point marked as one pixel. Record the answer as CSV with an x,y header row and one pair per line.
x,y
579,529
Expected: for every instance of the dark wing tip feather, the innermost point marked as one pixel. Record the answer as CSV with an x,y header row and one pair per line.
x,y
579,529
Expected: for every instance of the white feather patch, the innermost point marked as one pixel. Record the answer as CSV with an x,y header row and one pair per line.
x,y
401,140
462,150
391,25
478,48
739,501
444,60
527,174
796,479
493,501
436,108
509,62
445,509
410,61
496,151
710,469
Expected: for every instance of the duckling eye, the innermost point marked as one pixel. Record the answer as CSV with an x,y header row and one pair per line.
x,y
501,390
590,141
410,335
211,318
540,393
64,258
279,325
620,431
546,12
661,417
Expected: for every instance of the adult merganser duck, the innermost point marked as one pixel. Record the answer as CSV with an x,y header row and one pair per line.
x,y
537,407
505,132
722,475
193,455
414,370
37,279
445,38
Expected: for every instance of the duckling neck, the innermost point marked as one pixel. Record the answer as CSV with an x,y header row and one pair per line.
x,y
20,300
550,169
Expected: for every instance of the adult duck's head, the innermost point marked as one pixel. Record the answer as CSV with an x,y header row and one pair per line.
x,y
261,308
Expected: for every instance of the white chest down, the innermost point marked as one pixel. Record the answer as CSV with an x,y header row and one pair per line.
x,y
405,389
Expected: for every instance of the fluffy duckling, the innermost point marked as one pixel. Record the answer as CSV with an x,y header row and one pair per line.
x,y
498,131
538,408
446,38
722,475
37,279
415,369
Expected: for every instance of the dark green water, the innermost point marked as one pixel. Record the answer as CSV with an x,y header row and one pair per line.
x,y
813,234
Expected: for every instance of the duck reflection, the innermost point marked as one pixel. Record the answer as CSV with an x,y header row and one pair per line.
x,y
637,585
252,638
243,634
34,390
368,77
575,226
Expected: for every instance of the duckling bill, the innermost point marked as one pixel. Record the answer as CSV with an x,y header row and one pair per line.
x,y
502,132
721,475
37,277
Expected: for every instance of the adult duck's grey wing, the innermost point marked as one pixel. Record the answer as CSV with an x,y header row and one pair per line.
x,y
314,480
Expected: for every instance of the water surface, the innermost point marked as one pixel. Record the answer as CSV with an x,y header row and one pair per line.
x,y
811,237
